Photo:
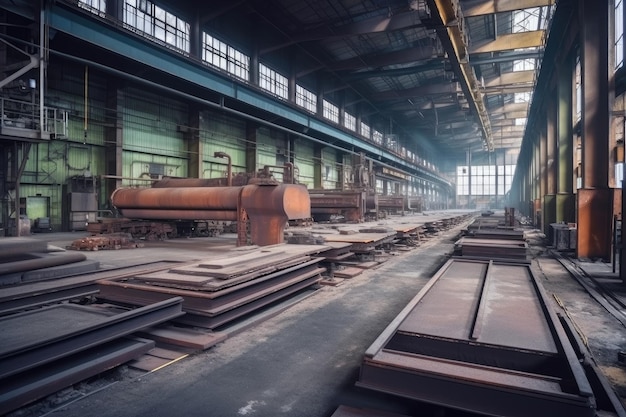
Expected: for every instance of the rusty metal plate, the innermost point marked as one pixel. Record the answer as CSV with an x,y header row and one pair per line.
x,y
480,337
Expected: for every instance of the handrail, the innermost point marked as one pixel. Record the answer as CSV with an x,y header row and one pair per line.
x,y
21,118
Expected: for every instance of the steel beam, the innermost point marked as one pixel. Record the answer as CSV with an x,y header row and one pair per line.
x,y
383,23
449,22
483,7
504,343
428,89
510,108
17,392
402,56
21,351
510,41
512,77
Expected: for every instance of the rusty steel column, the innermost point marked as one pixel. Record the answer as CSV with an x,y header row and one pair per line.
x,y
536,203
549,201
543,170
594,199
565,204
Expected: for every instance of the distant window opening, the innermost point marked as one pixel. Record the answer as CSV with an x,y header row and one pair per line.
x,y
273,82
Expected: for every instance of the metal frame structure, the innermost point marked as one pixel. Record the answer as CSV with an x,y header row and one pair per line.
x,y
500,350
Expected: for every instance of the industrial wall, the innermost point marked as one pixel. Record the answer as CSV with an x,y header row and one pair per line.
x,y
64,179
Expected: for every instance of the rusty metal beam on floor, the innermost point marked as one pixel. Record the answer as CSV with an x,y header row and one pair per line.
x,y
17,392
61,330
504,344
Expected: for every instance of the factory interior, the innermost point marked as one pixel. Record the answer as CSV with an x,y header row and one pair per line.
x,y
276,208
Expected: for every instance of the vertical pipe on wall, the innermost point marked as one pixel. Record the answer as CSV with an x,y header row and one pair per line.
x,y
42,64
86,104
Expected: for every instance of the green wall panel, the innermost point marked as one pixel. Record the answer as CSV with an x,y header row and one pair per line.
x,y
140,168
330,169
152,125
304,162
220,133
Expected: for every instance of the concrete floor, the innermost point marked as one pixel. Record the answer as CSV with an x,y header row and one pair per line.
x,y
305,361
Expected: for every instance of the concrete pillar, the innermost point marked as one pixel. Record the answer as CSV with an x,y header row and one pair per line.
x,y
594,199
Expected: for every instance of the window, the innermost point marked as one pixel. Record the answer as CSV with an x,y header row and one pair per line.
x,y
225,57
330,111
154,22
579,90
273,82
365,131
484,180
349,121
520,121
524,64
377,137
98,7
522,97
306,99
526,20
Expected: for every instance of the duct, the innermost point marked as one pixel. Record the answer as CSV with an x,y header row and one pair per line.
x,y
268,207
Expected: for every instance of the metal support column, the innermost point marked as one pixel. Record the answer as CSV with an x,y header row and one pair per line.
x,y
114,134
318,182
549,203
565,202
194,144
594,199
251,143
543,171
536,180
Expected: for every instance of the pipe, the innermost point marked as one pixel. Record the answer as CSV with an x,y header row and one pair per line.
x,y
229,172
32,264
268,207
181,198
189,182
42,64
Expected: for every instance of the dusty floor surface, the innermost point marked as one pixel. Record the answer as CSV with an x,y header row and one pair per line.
x,y
305,361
